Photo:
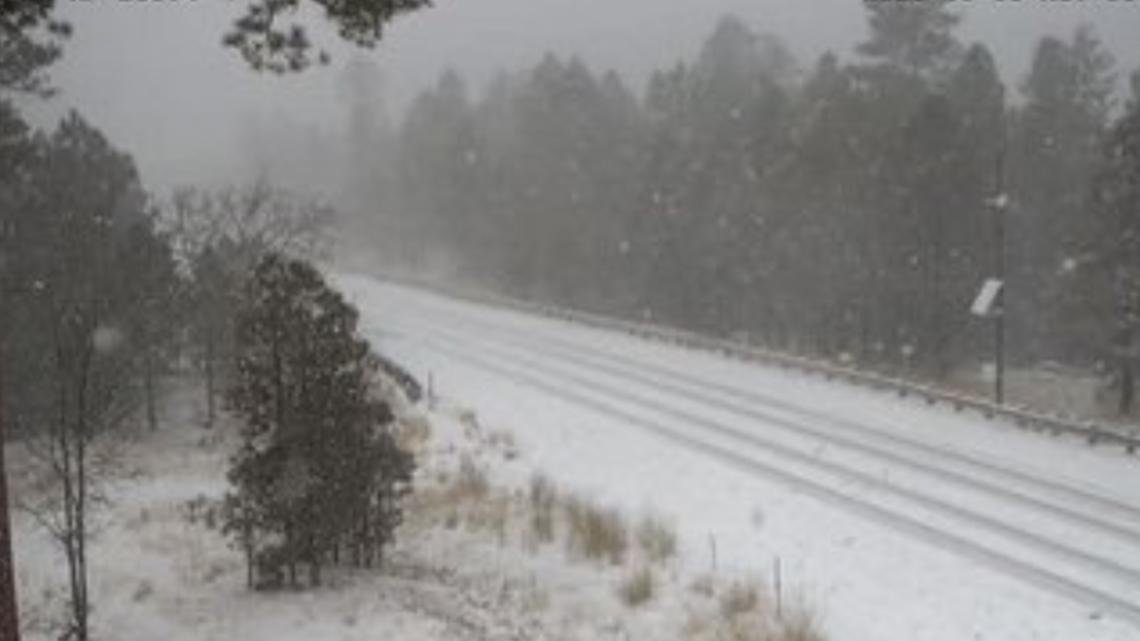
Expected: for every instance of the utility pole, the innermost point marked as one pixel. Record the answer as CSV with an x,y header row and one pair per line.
x,y
9,621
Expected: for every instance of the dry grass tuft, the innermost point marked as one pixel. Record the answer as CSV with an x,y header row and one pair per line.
x,y
752,626
744,614
491,514
638,588
451,521
413,432
801,624
704,585
738,599
596,533
504,439
657,539
543,499
471,481
535,598
451,499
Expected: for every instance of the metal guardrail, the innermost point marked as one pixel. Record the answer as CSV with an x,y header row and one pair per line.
x,y
1021,416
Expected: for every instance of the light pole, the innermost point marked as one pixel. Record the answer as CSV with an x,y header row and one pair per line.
x,y
1000,205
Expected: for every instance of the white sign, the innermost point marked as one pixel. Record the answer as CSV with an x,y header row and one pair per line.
x,y
984,304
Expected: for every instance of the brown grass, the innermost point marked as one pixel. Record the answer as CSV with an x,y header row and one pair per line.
x,y
739,598
543,498
471,481
449,500
535,598
490,514
413,433
657,539
596,533
638,588
744,613
504,439
801,624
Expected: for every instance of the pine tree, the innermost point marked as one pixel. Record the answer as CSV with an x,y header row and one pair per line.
x,y
439,164
1056,143
916,37
717,129
317,468
818,188
1117,257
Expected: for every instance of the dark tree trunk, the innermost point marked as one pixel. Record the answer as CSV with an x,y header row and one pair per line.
x,y
291,553
149,386
211,409
249,559
82,607
314,563
1127,386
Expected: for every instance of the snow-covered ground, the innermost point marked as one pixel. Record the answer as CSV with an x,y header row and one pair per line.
x,y
896,521
159,573
156,573
465,567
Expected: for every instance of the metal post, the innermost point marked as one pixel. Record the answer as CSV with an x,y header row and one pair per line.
x,y
779,582
9,623
1000,206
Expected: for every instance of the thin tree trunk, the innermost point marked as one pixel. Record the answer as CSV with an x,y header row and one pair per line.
x,y
64,456
248,535
1127,386
211,410
149,385
82,608
291,552
314,563
1127,375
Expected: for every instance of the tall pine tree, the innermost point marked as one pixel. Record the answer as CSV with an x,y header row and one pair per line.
x,y
318,470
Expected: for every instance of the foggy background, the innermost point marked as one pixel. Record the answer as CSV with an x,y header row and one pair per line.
x,y
155,77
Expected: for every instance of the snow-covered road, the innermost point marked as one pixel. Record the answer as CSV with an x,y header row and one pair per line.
x,y
898,521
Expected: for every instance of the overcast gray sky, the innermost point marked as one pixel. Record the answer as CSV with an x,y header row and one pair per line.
x,y
153,75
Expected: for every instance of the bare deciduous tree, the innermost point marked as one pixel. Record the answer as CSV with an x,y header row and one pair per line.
x,y
218,237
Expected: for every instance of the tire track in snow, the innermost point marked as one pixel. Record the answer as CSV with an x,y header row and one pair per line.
x,y
1042,577
577,352
1109,566
597,361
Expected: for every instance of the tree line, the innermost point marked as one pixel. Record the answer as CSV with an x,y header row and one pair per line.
x,y
849,211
